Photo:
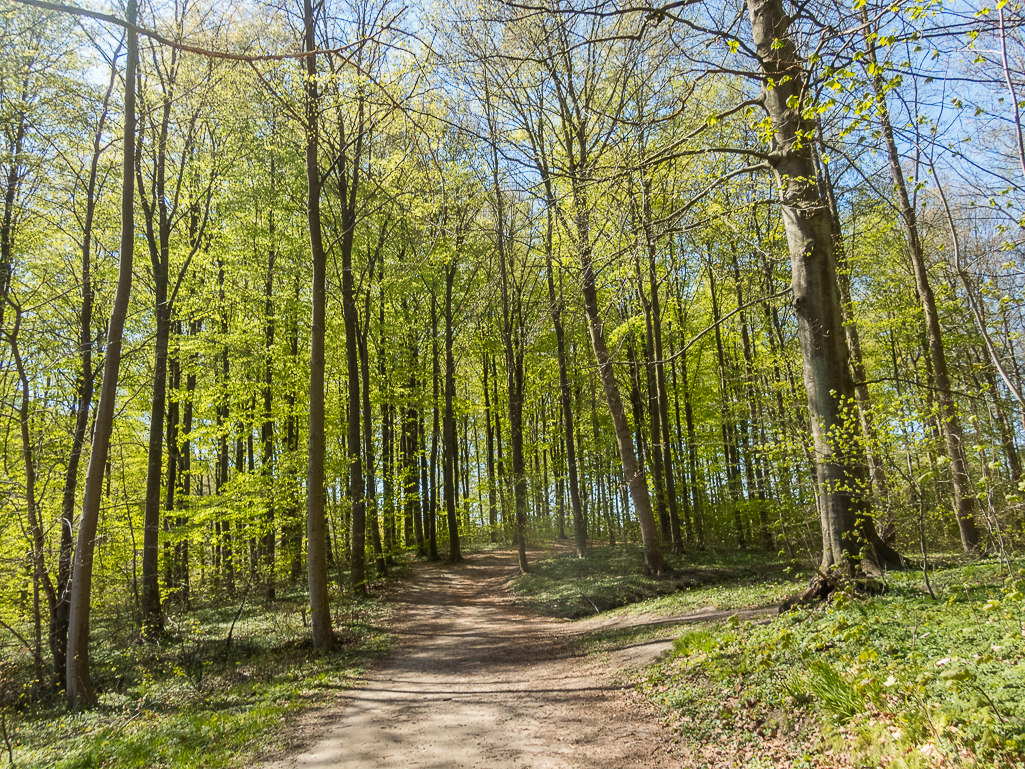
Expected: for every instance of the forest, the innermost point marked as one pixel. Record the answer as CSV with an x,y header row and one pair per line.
x,y
294,294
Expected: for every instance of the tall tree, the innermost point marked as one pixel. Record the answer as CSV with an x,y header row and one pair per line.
x,y
588,98
950,421
849,540
80,691
316,516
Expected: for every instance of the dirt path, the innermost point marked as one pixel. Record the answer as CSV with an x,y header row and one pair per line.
x,y
476,681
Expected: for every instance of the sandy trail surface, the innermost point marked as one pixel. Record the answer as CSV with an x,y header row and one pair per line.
x,y
477,681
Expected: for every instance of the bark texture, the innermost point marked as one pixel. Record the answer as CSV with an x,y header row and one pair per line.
x,y
849,540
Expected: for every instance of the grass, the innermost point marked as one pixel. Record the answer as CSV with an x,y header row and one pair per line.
x,y
894,680
610,578
194,700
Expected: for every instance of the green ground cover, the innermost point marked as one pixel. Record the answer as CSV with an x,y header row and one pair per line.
x,y
195,699
611,578
899,679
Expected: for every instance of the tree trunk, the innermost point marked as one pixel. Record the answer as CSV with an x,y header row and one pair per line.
x,y
729,437
80,692
267,427
964,498
37,540
845,517
411,477
661,441
432,534
316,519
654,563
425,481
654,434
449,435
865,413
152,616
489,441
185,486
565,395
174,375
223,426
371,507
755,477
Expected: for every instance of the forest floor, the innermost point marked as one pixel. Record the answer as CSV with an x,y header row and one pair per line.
x,y
580,663
477,679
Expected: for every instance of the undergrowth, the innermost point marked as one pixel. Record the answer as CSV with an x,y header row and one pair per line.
x,y
195,699
897,680
563,585
894,680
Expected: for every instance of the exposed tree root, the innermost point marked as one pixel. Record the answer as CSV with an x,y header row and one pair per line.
x,y
822,587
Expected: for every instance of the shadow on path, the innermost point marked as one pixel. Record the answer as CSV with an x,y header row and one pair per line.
x,y
477,681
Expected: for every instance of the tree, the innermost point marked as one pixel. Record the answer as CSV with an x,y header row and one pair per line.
x,y
162,203
849,539
577,93
80,692
316,523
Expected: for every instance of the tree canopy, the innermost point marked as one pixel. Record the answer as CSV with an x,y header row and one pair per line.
x,y
377,279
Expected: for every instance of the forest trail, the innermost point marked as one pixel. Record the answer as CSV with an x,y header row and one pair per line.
x,y
477,681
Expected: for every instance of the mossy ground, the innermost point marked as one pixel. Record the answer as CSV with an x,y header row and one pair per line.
x,y
898,679
193,700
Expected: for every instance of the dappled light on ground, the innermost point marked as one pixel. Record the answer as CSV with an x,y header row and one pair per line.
x,y
477,681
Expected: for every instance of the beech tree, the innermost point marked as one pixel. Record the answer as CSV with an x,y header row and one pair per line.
x,y
849,539
80,691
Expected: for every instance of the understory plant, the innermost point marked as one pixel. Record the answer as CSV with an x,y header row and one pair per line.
x,y
898,679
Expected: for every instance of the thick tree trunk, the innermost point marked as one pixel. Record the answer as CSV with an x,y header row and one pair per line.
x,y
846,522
